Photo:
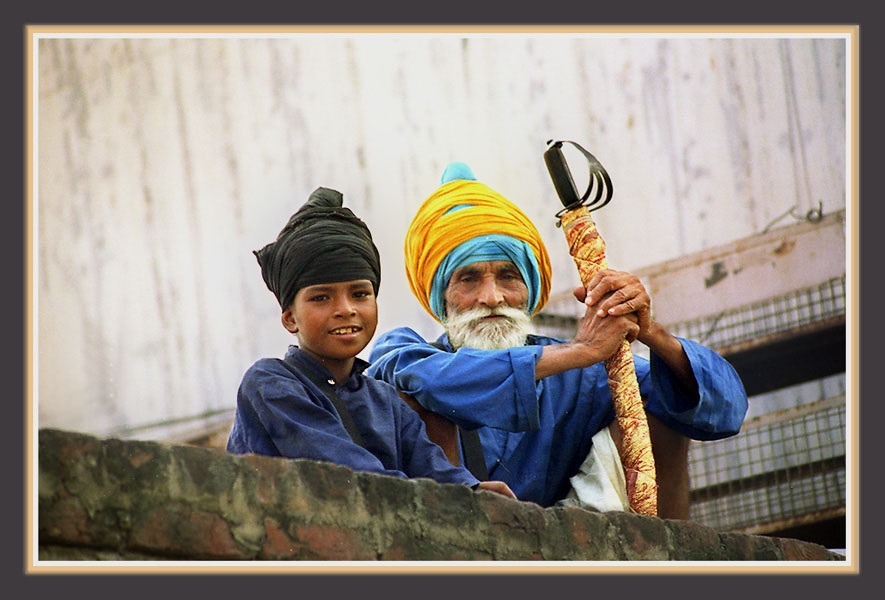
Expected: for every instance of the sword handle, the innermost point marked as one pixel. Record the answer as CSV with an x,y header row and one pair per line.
x,y
561,175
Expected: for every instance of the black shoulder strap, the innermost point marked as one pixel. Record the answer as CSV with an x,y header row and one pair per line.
x,y
474,459
327,388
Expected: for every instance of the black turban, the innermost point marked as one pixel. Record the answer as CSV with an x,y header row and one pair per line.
x,y
321,243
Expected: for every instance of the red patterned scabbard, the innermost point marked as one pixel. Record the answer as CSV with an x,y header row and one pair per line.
x,y
587,248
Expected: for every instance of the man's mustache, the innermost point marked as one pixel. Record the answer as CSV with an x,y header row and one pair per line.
x,y
477,314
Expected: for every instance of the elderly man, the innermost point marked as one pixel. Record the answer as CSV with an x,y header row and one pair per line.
x,y
478,265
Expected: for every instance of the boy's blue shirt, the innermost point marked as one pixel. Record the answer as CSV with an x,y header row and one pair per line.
x,y
282,413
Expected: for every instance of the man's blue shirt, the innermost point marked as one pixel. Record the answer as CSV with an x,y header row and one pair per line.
x,y
535,434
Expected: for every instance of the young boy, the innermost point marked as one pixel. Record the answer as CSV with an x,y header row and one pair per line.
x,y
325,271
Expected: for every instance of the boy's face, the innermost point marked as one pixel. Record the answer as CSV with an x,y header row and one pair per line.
x,y
333,321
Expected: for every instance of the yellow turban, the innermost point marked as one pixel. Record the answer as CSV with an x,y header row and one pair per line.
x,y
459,220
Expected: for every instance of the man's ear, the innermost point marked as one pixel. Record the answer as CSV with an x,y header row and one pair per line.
x,y
288,320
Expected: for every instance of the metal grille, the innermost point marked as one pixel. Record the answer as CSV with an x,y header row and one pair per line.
x,y
782,466
799,307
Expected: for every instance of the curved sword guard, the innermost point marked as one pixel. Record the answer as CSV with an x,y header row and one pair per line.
x,y
600,182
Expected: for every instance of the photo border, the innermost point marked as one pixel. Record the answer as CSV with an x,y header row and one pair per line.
x,y
33,33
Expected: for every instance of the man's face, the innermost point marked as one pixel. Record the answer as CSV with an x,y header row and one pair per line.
x,y
490,283
485,306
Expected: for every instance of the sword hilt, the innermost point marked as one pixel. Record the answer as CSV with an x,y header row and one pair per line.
x,y
565,185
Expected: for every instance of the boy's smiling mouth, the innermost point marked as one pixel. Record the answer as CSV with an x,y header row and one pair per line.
x,y
346,330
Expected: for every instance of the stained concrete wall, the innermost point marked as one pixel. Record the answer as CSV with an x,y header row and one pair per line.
x,y
162,163
131,501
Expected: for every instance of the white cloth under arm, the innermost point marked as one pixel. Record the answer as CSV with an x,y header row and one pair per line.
x,y
599,483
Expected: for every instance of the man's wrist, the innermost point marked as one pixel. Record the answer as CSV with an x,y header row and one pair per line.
x,y
558,358
656,336
585,354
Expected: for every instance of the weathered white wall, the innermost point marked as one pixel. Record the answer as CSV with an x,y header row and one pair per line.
x,y
162,163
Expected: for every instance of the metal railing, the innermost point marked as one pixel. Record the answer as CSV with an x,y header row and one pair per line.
x,y
784,467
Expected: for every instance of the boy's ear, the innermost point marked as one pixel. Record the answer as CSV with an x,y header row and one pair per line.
x,y
288,320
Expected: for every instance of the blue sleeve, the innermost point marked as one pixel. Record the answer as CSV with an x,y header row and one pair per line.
x,y
277,414
472,388
721,408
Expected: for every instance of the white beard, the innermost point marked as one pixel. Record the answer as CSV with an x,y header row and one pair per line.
x,y
467,329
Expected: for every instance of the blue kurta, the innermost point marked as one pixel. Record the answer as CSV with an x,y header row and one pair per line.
x,y
535,435
282,413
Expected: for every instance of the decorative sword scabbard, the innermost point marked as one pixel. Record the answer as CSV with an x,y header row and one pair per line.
x,y
587,249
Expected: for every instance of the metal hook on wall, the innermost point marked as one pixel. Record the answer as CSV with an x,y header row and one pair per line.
x,y
812,216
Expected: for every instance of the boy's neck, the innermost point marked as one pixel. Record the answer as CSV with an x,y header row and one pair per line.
x,y
339,368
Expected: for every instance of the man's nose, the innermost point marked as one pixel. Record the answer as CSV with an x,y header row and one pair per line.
x,y
490,294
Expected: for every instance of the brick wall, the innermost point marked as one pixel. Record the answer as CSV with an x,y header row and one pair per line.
x,y
133,500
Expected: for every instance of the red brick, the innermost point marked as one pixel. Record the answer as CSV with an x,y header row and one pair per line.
x,y
575,523
180,531
74,447
153,532
327,542
65,520
270,471
798,550
278,545
215,534
140,458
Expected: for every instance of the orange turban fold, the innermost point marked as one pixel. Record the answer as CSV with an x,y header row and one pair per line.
x,y
460,211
